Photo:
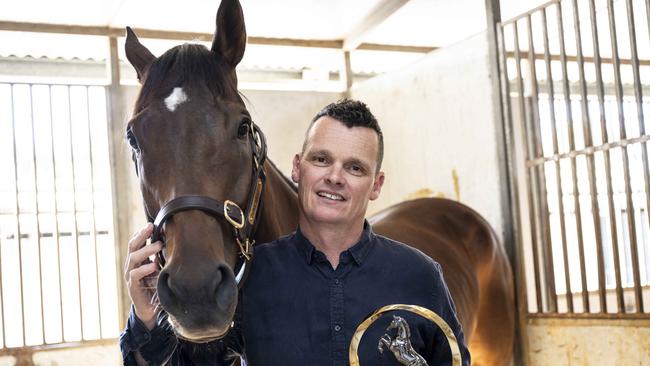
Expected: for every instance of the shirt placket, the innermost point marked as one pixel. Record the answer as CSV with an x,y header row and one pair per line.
x,y
337,326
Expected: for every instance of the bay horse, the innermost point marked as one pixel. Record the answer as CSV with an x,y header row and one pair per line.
x,y
200,160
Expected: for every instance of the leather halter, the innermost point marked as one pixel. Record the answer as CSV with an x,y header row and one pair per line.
x,y
243,222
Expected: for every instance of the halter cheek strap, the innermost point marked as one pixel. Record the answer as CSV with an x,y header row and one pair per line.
x,y
243,222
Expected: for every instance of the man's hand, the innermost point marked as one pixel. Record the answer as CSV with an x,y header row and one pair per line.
x,y
140,275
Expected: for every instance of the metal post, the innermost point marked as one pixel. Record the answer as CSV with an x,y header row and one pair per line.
x,y
56,213
626,167
608,173
548,244
531,172
591,167
94,225
38,227
638,94
18,236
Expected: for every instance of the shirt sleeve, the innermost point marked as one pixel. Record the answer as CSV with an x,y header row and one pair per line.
x,y
156,346
443,304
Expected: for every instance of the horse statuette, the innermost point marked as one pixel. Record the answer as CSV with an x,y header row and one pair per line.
x,y
400,345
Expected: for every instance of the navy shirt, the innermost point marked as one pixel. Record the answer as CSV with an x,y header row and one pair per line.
x,y
295,309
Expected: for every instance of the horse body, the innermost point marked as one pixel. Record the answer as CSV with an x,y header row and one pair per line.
x,y
198,144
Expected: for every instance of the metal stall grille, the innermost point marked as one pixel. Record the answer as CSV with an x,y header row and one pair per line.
x,y
574,76
58,279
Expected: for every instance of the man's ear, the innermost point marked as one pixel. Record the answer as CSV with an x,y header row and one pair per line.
x,y
376,186
295,169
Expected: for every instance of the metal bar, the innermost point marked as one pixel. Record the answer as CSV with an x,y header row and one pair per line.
x,y
586,59
626,167
506,150
94,224
57,346
531,174
638,94
2,304
20,257
573,162
589,150
644,147
38,227
586,131
569,120
44,211
608,171
548,248
647,15
541,7
74,205
601,316
56,215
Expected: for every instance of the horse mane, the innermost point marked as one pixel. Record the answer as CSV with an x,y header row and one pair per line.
x,y
188,65
286,179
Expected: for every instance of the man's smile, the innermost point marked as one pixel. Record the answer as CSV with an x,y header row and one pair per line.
x,y
331,196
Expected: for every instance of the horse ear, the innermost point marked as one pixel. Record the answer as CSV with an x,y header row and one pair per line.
x,y
230,35
137,54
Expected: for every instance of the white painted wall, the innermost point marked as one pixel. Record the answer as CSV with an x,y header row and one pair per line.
x,y
437,119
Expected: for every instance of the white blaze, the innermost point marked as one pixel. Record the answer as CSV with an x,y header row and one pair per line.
x,y
174,99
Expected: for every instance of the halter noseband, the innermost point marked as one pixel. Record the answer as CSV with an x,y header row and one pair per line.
x,y
243,222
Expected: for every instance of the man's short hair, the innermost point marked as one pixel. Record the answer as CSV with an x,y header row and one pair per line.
x,y
352,113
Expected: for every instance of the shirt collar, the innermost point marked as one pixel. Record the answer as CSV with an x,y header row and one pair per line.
x,y
358,251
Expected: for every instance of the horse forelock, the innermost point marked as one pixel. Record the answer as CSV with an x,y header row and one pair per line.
x,y
189,66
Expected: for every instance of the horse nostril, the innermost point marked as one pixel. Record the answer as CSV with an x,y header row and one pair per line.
x,y
225,288
164,289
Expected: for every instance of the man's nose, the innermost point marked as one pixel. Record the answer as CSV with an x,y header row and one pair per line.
x,y
335,175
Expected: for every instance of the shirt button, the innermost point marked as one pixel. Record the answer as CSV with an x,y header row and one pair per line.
x,y
337,328
337,281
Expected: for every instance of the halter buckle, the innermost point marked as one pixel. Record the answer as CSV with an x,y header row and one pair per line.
x,y
244,248
237,225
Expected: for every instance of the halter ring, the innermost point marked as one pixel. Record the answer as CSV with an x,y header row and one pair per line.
x,y
237,225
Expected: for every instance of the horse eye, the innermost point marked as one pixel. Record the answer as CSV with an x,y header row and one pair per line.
x,y
243,128
130,136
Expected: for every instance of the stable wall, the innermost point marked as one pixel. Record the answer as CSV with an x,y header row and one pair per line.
x,y
440,139
439,130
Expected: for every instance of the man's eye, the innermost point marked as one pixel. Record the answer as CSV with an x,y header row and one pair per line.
x,y
356,169
320,159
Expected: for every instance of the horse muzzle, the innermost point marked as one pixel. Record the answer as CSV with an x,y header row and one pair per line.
x,y
200,302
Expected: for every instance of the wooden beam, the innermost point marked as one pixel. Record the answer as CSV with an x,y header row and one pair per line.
x,y
205,37
395,48
346,74
378,14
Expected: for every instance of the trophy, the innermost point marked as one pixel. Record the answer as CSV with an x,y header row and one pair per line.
x,y
400,344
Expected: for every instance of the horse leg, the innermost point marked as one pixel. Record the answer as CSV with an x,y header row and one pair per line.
x,y
383,341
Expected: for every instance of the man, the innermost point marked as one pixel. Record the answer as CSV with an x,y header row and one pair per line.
x,y
308,291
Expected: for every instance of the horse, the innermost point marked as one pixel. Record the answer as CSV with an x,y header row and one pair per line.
x,y
200,159
401,346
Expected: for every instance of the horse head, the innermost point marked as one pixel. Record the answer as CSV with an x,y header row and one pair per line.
x,y
191,135
401,325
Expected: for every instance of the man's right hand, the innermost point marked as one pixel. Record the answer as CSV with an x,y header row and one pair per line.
x,y
139,274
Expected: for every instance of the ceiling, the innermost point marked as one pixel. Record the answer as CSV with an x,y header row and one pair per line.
x,y
424,23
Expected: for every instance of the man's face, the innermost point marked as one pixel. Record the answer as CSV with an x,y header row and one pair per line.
x,y
336,173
